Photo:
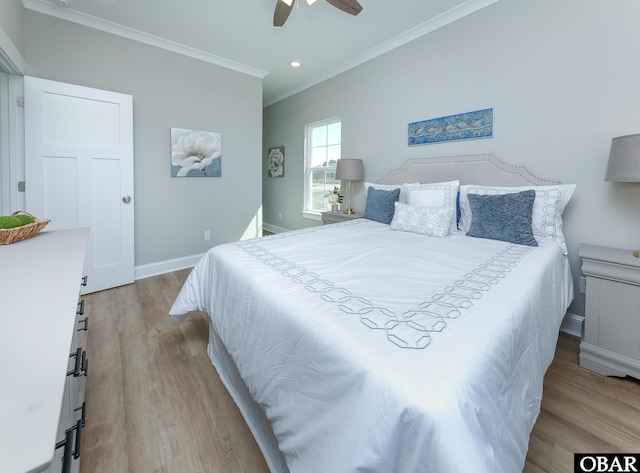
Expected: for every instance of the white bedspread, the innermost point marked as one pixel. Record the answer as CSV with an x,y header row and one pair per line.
x,y
388,352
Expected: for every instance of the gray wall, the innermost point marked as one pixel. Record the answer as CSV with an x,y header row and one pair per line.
x,y
169,90
561,77
11,22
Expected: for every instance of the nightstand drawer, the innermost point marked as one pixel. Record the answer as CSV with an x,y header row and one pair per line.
x,y
620,301
620,337
610,342
336,217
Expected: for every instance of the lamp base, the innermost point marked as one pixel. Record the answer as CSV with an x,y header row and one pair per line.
x,y
636,253
351,212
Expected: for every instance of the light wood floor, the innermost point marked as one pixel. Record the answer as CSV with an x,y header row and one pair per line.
x,y
156,405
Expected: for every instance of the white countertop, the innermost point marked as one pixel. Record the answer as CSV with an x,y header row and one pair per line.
x,y
39,287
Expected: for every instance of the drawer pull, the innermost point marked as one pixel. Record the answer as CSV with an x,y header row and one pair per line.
x,y
76,453
85,323
66,443
81,366
76,369
80,310
84,366
84,280
66,456
82,408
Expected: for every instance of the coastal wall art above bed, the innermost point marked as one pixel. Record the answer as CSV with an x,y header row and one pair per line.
x,y
462,126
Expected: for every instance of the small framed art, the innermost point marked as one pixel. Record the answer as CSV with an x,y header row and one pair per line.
x,y
275,161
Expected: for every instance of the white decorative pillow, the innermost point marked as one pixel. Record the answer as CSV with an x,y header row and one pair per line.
x,y
430,221
389,187
436,194
546,218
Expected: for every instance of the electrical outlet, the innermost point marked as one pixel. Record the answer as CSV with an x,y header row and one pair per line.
x,y
280,216
583,285
207,235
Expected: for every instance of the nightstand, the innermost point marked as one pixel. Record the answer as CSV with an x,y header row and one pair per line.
x,y
610,343
331,217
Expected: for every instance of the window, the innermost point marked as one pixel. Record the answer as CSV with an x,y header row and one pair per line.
x,y
323,149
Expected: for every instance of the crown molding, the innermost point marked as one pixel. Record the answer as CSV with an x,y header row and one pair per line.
x,y
11,61
48,8
456,13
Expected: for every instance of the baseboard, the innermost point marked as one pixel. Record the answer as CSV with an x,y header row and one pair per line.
x,y
274,228
162,267
572,324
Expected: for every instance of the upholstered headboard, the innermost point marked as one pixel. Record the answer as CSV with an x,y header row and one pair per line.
x,y
481,169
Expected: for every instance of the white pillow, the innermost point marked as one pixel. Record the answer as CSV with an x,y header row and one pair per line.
x,y
436,194
430,221
546,218
389,187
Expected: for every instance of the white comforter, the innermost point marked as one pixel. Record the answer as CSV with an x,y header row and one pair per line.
x,y
388,352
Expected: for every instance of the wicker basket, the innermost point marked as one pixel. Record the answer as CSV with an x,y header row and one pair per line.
x,y
11,235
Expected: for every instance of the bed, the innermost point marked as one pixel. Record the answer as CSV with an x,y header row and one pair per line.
x,y
367,346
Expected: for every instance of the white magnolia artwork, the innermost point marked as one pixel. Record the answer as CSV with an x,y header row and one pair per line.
x,y
195,153
275,162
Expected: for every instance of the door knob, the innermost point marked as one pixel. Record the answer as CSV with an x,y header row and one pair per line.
x,y
126,199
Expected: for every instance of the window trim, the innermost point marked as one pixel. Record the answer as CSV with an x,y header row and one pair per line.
x,y
306,212
311,215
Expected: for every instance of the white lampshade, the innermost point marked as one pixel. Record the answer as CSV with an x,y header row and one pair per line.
x,y
349,170
624,159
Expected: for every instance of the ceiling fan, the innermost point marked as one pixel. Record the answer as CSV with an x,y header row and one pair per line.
x,y
284,7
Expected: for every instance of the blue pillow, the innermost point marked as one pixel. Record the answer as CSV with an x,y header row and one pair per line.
x,y
381,204
505,217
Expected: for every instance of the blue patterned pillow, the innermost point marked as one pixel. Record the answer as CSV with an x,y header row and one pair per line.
x,y
381,204
505,217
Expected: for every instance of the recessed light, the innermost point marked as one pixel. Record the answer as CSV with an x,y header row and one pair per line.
x,y
294,64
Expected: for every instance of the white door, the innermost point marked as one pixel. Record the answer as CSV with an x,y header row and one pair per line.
x,y
79,171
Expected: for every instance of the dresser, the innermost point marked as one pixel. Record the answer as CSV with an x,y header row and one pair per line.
x,y
42,363
610,343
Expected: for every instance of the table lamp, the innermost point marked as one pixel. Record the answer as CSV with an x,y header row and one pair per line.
x,y
349,170
624,162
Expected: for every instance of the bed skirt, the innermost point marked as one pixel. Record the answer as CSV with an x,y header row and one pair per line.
x,y
250,410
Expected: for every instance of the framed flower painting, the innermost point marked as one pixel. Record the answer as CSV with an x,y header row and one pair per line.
x,y
275,162
195,153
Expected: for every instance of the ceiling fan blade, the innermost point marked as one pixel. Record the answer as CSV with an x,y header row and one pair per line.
x,y
281,13
349,6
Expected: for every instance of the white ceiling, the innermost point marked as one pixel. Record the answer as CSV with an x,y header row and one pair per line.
x,y
238,34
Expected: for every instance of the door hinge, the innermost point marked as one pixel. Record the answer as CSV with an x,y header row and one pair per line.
x,y
21,186
20,102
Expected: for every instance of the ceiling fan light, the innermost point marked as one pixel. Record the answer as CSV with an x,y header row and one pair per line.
x,y
311,2
288,2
